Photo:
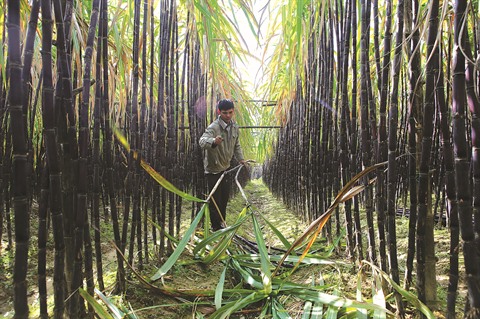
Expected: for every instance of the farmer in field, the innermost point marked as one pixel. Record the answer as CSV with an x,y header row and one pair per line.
x,y
220,143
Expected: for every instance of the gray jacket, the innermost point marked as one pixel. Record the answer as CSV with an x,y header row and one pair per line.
x,y
217,157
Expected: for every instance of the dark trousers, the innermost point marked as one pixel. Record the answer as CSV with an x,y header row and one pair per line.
x,y
220,197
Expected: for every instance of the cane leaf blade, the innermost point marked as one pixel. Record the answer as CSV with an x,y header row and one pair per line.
x,y
181,246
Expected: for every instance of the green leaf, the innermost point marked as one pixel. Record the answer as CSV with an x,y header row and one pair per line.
x,y
181,246
225,235
360,313
277,232
219,288
246,275
99,310
117,313
411,298
265,311
307,309
206,222
157,226
332,312
229,308
129,313
306,260
328,299
292,259
167,185
264,258
156,176
317,309
378,297
210,240
286,287
218,251
278,311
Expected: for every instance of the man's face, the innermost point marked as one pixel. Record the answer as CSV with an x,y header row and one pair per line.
x,y
226,115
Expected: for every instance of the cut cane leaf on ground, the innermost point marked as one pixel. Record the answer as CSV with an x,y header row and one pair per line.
x,y
311,233
181,246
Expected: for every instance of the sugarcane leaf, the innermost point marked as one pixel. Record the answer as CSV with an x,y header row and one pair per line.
x,y
305,293
206,222
299,25
307,309
378,297
181,246
332,312
264,258
278,311
313,310
291,258
360,312
311,241
167,185
99,310
242,216
277,232
356,178
130,313
411,298
229,308
247,276
354,191
219,249
285,286
315,227
265,311
153,173
117,313
317,311
225,235
211,239
167,234
219,288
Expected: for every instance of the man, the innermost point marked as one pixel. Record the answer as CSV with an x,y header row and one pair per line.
x,y
220,143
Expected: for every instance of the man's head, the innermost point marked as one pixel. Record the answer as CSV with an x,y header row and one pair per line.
x,y
226,109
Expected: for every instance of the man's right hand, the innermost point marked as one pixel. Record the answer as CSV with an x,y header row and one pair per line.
x,y
218,140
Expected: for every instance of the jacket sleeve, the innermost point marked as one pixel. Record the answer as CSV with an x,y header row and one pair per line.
x,y
207,139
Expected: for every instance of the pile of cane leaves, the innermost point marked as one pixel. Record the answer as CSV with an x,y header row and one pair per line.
x,y
265,273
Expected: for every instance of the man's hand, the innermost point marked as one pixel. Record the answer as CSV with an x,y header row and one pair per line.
x,y
243,162
218,140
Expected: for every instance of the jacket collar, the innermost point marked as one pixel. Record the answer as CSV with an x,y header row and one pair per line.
x,y
225,125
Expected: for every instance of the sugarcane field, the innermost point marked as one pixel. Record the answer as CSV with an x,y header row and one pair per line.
x,y
240,159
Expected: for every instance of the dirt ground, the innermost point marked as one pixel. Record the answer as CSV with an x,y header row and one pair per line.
x,y
188,275
291,227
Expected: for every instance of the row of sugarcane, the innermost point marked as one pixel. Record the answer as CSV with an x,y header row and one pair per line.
x,y
373,99
59,118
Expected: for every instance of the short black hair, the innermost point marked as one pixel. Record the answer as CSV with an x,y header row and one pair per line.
x,y
225,104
